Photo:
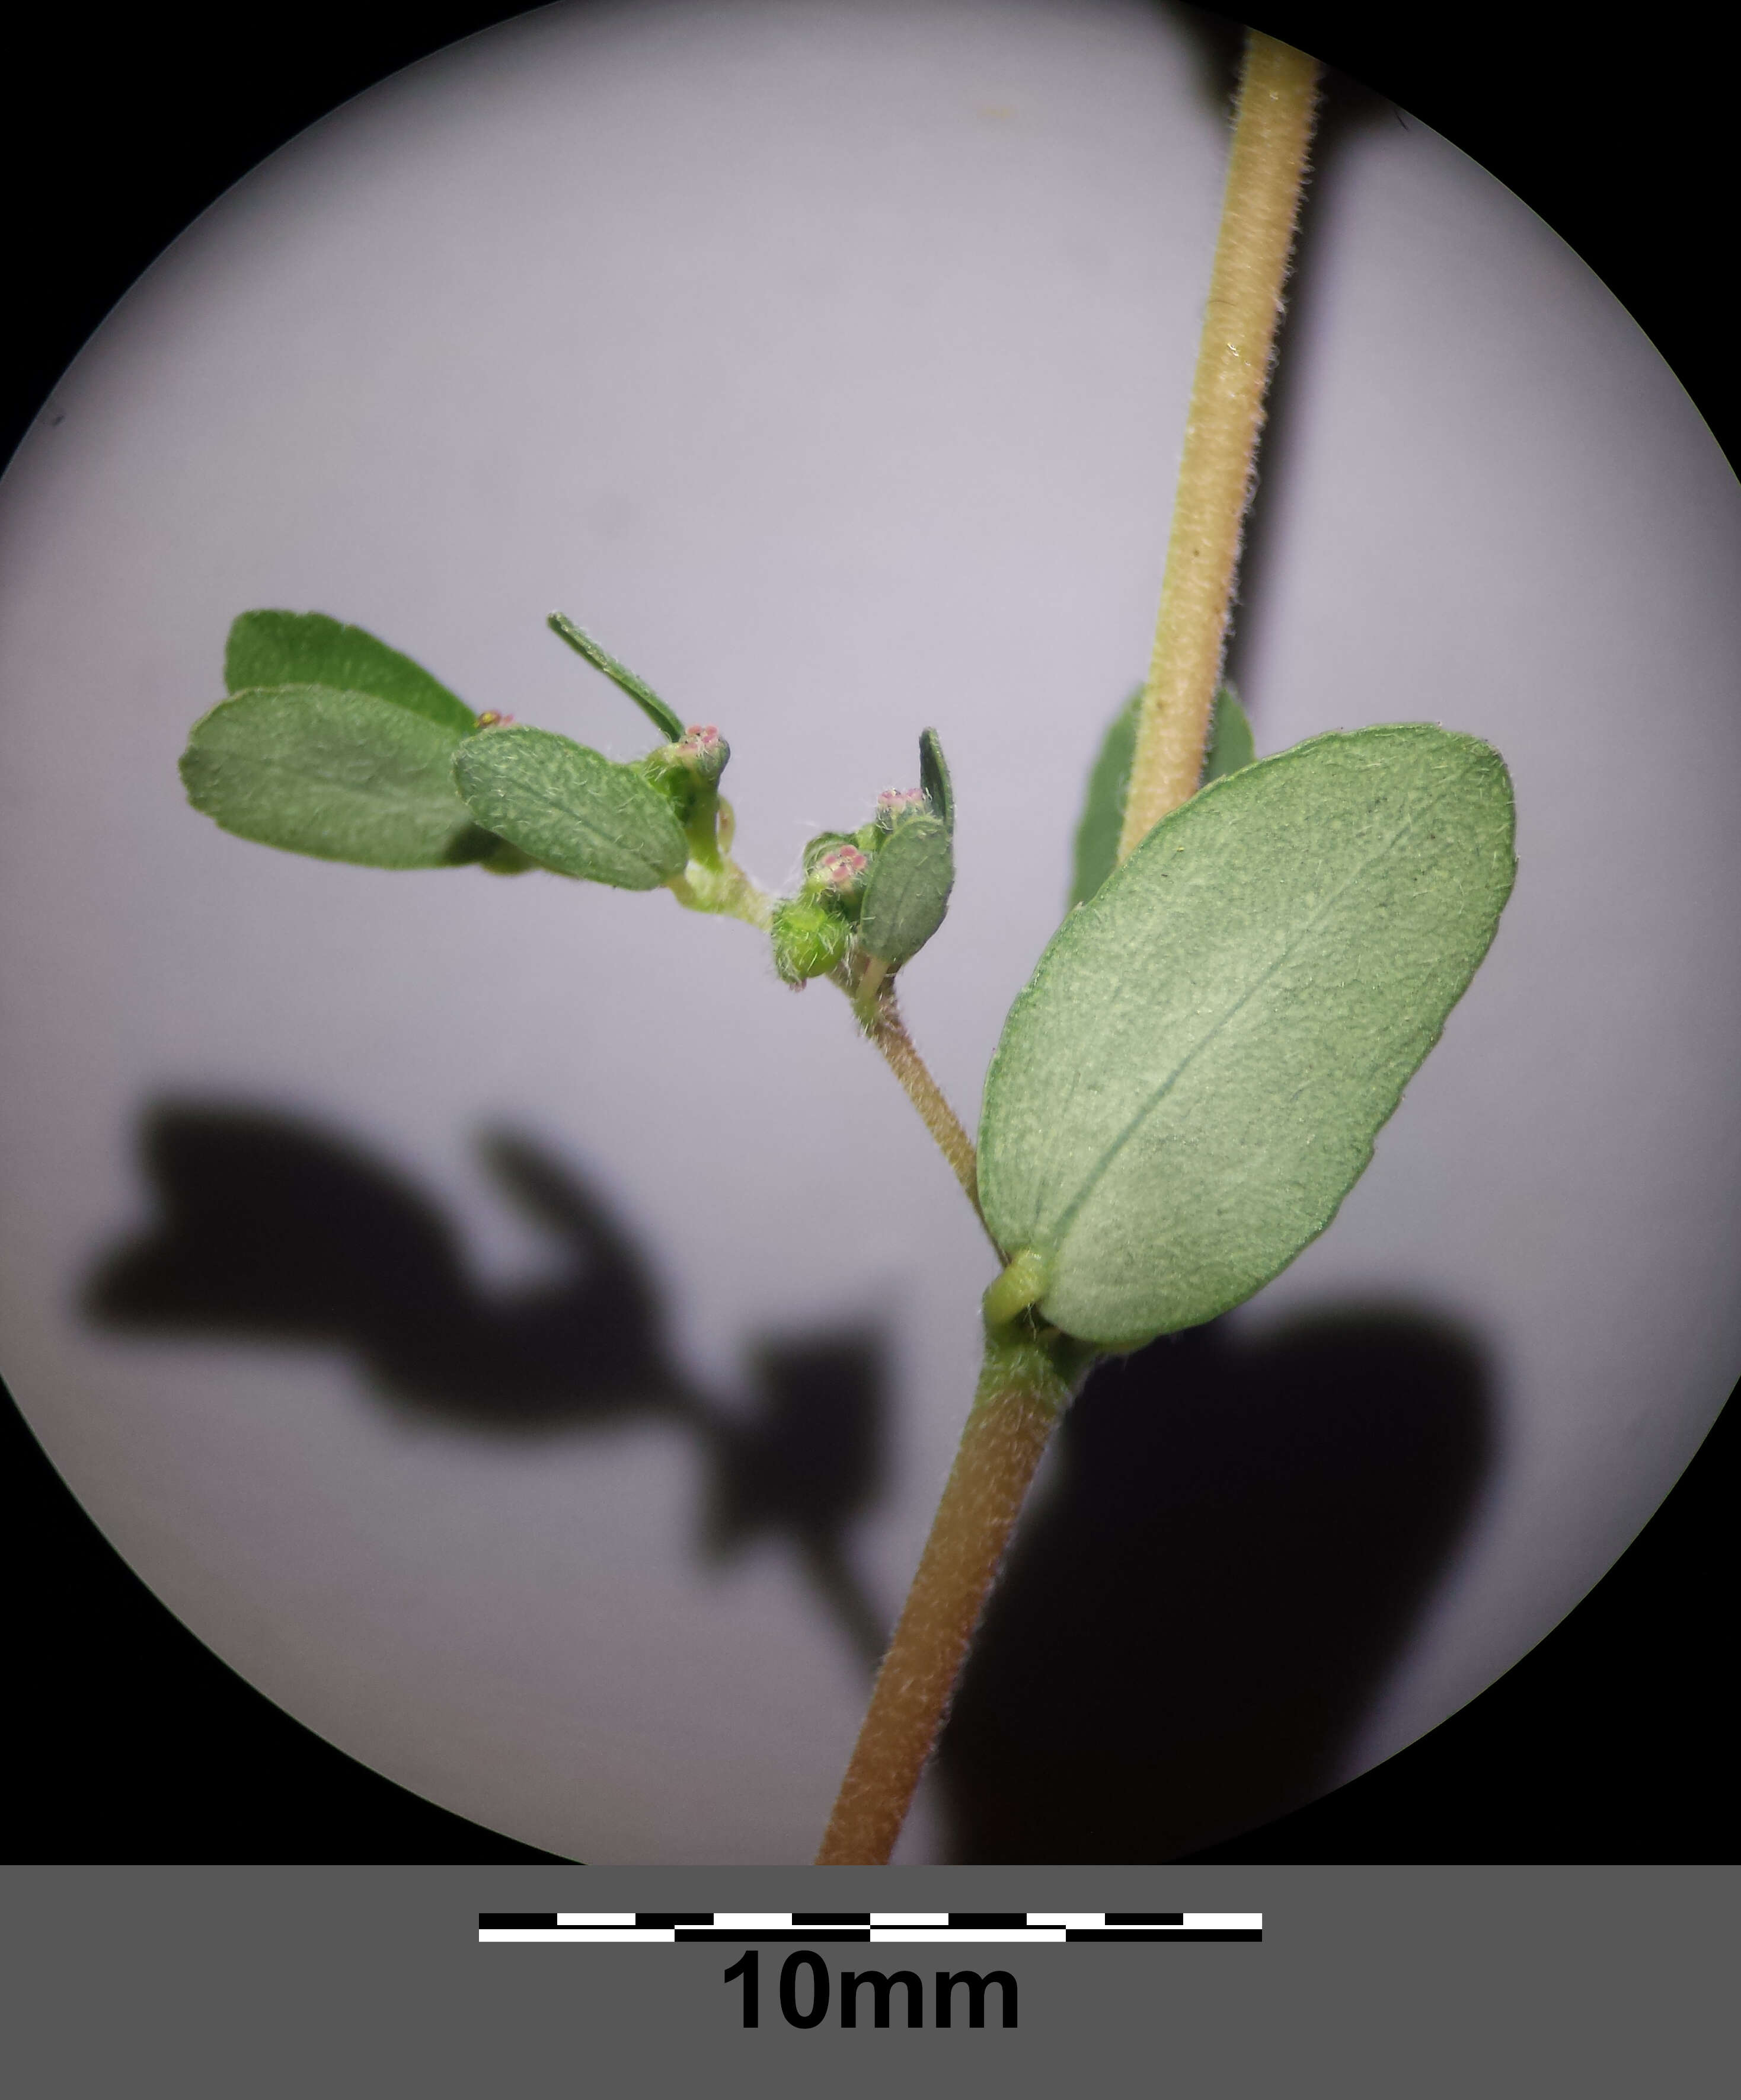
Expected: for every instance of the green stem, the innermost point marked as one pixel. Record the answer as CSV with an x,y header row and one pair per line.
x,y
866,995
724,888
1277,101
880,1019
1024,1389
1031,1371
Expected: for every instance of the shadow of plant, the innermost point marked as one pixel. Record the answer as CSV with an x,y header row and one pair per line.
x,y
1196,1618
1236,1541
273,1230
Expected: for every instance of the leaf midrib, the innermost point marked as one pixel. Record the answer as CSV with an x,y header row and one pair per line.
x,y
1101,1166
616,840
410,796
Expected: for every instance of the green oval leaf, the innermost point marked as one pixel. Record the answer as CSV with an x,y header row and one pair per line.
x,y
309,649
933,778
907,893
1194,1077
1230,748
570,808
341,775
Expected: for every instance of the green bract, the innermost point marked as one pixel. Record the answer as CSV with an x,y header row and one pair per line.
x,y
1193,1078
1230,748
933,777
906,892
572,808
665,719
341,775
309,649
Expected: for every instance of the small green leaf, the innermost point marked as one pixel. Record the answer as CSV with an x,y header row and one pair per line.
x,y
665,719
570,808
933,777
1194,1076
341,775
1230,748
309,649
906,892
1103,811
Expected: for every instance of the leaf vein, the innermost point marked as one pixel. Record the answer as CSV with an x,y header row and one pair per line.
x,y
1103,1165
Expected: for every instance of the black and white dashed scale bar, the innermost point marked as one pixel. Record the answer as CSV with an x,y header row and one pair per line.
x,y
892,1928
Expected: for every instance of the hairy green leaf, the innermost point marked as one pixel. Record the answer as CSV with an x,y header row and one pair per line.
x,y
341,775
665,719
906,892
933,777
1230,747
1194,1077
572,808
309,649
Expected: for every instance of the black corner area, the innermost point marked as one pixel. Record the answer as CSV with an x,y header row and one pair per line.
x,y
129,1744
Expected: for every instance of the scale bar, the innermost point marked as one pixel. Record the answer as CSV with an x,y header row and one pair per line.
x,y
875,1928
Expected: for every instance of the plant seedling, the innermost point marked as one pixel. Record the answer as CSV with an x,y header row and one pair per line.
x,y
1259,952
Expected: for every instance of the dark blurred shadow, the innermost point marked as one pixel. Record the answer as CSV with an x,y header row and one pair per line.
x,y
1216,42
804,1465
273,1230
1197,1620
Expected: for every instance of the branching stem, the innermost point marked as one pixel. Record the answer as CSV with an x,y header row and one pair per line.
x,y
1031,1372
725,888
718,884
883,1026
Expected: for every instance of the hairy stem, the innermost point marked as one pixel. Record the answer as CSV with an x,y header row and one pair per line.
x,y
1273,129
1020,1398
1030,1371
725,888
716,884
883,1026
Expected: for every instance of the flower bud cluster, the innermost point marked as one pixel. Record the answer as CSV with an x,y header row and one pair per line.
x,y
697,758
896,803
814,931
703,751
687,773
837,875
